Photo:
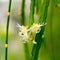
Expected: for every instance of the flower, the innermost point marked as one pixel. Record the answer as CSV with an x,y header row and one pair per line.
x,y
35,28
23,29
23,33
28,34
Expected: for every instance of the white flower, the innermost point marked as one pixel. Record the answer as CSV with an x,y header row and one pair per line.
x,y
22,28
23,37
35,28
29,34
23,33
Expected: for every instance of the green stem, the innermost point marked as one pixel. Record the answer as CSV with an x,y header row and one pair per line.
x,y
22,12
27,56
32,5
39,39
38,6
44,9
26,50
56,3
8,19
51,26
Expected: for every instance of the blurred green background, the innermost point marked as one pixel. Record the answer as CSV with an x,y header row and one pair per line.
x,y
50,48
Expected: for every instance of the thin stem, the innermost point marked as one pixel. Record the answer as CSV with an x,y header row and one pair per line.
x,y
22,12
27,56
51,26
56,3
44,9
26,50
7,28
32,5
39,39
38,6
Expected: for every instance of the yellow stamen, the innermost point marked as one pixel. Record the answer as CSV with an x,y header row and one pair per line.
x,y
26,27
35,27
6,45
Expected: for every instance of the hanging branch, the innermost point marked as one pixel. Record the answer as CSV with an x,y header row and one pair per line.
x,y
7,28
39,39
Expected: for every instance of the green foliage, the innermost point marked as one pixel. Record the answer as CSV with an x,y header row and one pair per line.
x,y
48,46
